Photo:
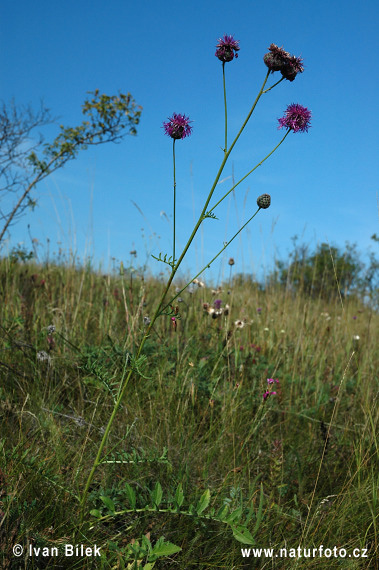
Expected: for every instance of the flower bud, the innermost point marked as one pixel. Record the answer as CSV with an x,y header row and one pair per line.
x,y
264,201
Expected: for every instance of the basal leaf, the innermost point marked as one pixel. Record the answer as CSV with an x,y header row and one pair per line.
x,y
241,534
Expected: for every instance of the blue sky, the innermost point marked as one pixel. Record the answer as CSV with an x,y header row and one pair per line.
x,y
324,183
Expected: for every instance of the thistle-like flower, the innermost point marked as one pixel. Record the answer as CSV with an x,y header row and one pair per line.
x,y
296,117
227,48
264,201
280,60
178,126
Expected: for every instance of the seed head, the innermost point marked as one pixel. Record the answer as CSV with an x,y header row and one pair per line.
x,y
264,201
280,60
227,48
178,126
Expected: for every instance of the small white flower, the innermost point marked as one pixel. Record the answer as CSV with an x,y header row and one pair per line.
x,y
42,356
239,324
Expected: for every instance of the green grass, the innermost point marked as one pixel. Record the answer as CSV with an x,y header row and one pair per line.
x,y
195,420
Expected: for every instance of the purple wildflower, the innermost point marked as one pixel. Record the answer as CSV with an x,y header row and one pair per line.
x,y
267,394
217,304
178,126
272,381
280,60
296,117
226,47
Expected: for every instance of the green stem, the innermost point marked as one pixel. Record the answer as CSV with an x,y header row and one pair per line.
x,y
272,86
158,309
226,156
225,107
119,400
173,241
212,260
248,174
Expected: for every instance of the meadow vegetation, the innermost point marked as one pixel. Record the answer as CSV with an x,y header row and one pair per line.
x,y
171,423
198,438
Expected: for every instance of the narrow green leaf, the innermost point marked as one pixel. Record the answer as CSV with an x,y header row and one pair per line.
x,y
156,495
234,516
259,514
241,534
179,495
108,503
204,502
222,513
130,493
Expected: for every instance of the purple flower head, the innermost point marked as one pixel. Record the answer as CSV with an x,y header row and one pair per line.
x,y
267,394
178,126
226,47
280,60
217,304
272,381
296,117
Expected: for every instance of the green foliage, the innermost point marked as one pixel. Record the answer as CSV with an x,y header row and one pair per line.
x,y
325,272
144,554
23,165
19,253
134,457
197,456
168,260
107,117
236,518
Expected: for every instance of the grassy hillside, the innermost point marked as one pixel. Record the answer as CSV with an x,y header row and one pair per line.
x,y
296,467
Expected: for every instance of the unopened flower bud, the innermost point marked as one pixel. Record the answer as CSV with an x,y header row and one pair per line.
x,y
264,201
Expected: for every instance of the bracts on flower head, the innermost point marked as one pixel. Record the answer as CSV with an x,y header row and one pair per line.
x,y
178,126
264,201
227,48
280,60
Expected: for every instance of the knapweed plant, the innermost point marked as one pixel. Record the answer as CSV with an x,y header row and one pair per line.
x,y
178,127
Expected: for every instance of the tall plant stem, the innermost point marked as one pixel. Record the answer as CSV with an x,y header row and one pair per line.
x,y
226,156
213,259
225,107
158,311
173,239
248,174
